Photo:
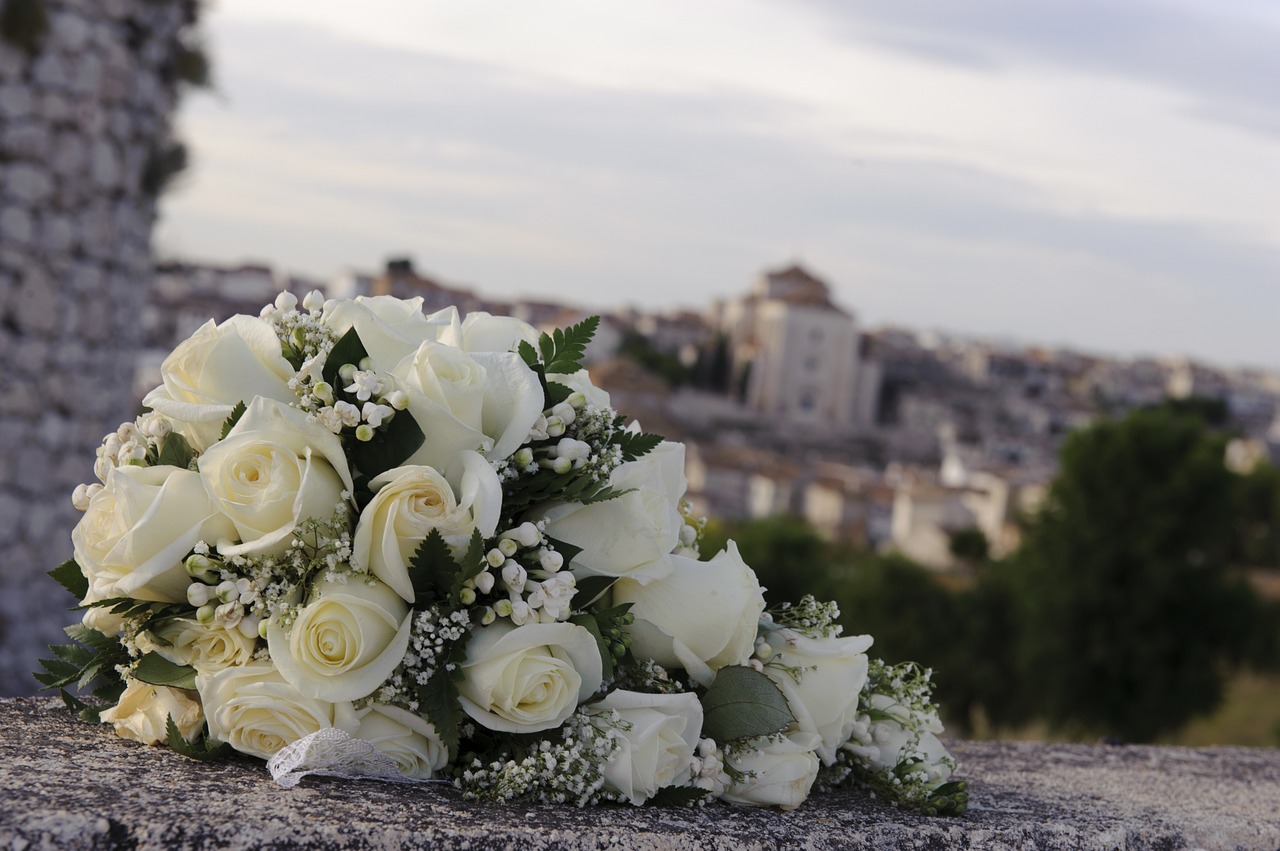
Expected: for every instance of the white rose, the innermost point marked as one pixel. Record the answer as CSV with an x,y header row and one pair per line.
x,y
701,616
273,471
254,710
389,328
528,678
407,738
779,774
486,400
219,366
409,502
900,733
345,642
205,648
660,734
483,332
133,538
142,713
630,534
832,674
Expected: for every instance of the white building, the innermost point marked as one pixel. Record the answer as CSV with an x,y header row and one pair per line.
x,y
794,353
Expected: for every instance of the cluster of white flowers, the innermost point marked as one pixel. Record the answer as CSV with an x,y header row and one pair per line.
x,y
567,770
810,617
130,444
435,630
525,566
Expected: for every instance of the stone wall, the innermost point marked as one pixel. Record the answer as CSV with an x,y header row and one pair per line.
x,y
84,125
65,783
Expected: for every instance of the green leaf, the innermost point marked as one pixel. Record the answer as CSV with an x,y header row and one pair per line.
x,y
391,446
568,346
529,354
175,452
588,621
70,576
591,589
743,703
236,413
555,393
431,570
677,796
349,349
636,444
158,671
201,748
438,699
473,564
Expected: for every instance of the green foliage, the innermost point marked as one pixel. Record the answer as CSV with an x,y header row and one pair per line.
x,y
637,347
969,545
70,576
202,748
158,671
236,413
175,451
438,576
88,665
1128,611
606,628
677,796
24,23
562,351
742,703
439,701
165,161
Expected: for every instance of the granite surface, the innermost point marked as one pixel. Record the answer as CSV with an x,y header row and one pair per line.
x,y
68,784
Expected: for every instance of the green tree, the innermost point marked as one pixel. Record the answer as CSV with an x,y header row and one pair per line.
x,y
1129,612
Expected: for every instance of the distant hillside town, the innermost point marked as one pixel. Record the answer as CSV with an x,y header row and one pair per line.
x,y
887,438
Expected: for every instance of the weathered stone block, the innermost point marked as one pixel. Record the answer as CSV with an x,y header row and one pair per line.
x,y
67,784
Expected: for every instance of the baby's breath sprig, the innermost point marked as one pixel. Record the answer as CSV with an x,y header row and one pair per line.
x,y
566,767
808,617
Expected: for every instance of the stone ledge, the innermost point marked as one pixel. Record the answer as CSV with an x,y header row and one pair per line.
x,y
66,784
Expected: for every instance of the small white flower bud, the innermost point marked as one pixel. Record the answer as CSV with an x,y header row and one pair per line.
x,y
262,628
521,613
484,582
763,650
688,535
507,547
199,565
397,399
576,399
755,664
286,301
502,608
562,465
526,534
346,371
467,596
80,497
555,427
488,616
364,433
565,412
323,391
550,560
227,591
524,457
706,748
102,468
495,557
205,614
314,301
514,575
199,594
229,614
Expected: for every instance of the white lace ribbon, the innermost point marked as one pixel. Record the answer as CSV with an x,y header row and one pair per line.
x,y
332,752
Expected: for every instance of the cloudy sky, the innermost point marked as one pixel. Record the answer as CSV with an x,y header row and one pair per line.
x,y
1101,173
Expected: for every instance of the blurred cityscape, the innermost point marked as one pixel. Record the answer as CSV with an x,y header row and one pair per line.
x,y
884,438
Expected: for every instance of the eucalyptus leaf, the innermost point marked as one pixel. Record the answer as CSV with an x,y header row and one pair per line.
x,y
742,703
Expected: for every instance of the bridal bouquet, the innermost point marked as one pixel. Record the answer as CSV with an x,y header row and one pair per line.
x,y
353,539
